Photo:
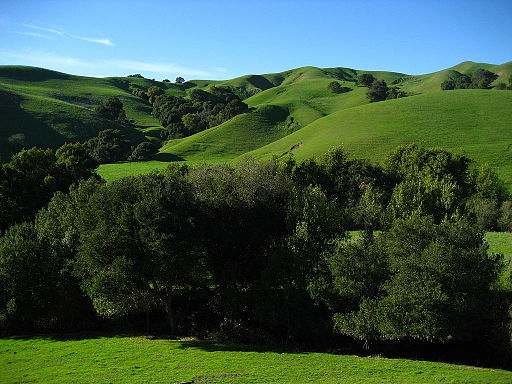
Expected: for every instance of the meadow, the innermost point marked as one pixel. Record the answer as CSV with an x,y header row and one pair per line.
x,y
136,359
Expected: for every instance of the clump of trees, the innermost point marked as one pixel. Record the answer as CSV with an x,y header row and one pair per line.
x,y
112,109
480,79
183,117
137,75
336,87
378,90
259,251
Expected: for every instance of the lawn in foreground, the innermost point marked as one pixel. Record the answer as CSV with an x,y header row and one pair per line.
x,y
147,360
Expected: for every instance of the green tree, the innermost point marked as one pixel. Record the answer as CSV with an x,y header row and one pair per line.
x,y
448,85
154,92
377,91
483,78
505,216
336,87
137,244
366,79
143,152
193,123
76,162
112,109
109,146
429,282
34,288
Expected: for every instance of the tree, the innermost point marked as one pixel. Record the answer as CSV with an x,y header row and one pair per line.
x,y
76,161
112,109
154,92
109,146
179,80
336,87
137,244
31,283
419,281
193,123
429,182
448,85
378,91
365,79
166,81
143,152
505,216
483,78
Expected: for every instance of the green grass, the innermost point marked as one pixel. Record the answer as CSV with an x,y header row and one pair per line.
x,y
501,242
152,360
476,121
293,110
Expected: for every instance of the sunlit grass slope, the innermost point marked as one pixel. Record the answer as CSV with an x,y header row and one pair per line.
x,y
153,360
50,108
477,121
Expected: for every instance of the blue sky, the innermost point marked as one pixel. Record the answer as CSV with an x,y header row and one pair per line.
x,y
218,39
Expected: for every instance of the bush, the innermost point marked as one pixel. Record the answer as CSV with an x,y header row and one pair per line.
x,y
378,91
336,87
143,152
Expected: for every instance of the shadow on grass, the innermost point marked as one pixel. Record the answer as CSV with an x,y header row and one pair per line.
x,y
169,157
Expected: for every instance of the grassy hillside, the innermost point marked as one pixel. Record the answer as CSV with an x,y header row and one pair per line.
x,y
50,108
290,109
97,359
477,121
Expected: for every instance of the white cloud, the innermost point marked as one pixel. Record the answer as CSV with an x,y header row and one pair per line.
x,y
50,30
103,41
97,41
36,34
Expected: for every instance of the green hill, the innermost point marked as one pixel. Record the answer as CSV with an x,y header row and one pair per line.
x,y
476,121
290,109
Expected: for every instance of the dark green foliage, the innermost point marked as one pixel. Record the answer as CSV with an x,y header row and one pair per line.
x,y
109,146
259,251
179,80
426,282
482,79
76,161
366,79
505,216
336,87
377,91
137,75
36,289
154,92
501,86
395,93
184,117
448,85
143,152
112,109
32,176
429,182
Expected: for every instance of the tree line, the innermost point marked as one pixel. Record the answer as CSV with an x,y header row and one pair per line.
x,y
258,252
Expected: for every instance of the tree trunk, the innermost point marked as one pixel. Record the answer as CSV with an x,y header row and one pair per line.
x,y
170,314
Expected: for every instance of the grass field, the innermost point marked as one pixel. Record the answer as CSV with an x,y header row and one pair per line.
x,y
120,359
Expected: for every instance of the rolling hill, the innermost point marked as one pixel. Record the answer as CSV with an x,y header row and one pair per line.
x,y
291,112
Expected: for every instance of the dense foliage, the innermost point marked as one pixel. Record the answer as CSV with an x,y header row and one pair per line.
x,y
260,251
480,79
184,117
